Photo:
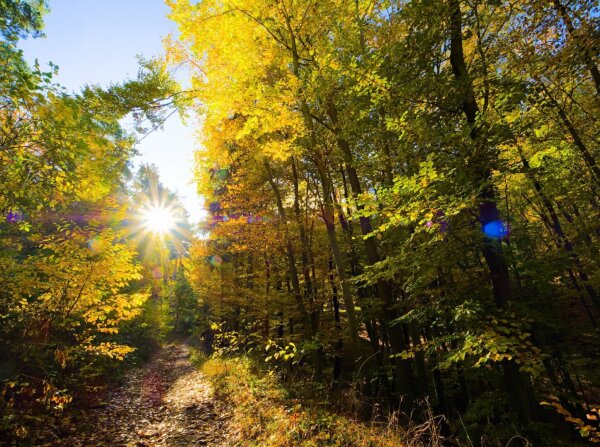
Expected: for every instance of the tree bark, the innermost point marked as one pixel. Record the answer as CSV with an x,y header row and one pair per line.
x,y
564,242
328,210
585,153
518,390
291,256
585,51
384,291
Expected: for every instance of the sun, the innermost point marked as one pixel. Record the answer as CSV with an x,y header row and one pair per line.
x,y
158,219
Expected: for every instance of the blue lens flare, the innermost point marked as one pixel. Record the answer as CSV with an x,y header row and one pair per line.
x,y
495,229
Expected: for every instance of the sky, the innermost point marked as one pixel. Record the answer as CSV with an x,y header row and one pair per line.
x,y
96,42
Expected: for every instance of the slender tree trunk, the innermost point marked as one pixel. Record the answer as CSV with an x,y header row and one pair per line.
x,y
585,50
337,360
563,241
582,148
291,257
329,219
328,211
304,247
422,371
518,390
367,295
384,291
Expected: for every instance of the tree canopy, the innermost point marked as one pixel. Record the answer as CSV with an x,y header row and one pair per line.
x,y
410,187
402,214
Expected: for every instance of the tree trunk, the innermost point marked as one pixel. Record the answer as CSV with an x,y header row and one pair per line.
x,y
291,257
329,219
519,393
304,245
384,291
563,241
328,211
585,51
337,359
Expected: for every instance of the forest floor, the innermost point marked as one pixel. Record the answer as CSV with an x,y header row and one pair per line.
x,y
166,403
180,398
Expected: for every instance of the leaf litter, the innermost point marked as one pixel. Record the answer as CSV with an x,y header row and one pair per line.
x,y
166,403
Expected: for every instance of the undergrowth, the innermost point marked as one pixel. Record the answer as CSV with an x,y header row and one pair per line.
x,y
265,413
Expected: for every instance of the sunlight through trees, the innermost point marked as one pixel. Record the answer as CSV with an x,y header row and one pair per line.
x,y
402,229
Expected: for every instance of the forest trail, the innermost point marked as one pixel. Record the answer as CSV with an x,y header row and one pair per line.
x,y
165,403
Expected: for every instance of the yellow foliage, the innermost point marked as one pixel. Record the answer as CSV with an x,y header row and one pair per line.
x,y
84,271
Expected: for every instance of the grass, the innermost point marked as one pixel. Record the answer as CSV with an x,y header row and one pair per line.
x,y
263,413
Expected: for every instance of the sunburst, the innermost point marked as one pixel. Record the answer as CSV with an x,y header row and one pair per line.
x,y
158,218
158,223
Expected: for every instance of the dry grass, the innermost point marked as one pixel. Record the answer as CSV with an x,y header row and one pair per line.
x,y
262,415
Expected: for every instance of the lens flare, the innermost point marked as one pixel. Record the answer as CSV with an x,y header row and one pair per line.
x,y
215,260
158,219
95,245
14,217
495,229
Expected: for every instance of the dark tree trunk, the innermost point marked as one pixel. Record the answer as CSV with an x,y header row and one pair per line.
x,y
564,242
517,387
337,359
291,257
404,374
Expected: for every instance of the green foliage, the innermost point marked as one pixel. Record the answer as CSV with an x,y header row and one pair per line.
x,y
150,98
73,289
405,194
288,353
504,339
21,17
403,201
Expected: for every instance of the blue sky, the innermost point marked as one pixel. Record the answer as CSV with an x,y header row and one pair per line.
x,y
96,42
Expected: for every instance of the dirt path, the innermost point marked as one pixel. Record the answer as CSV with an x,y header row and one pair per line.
x,y
166,403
